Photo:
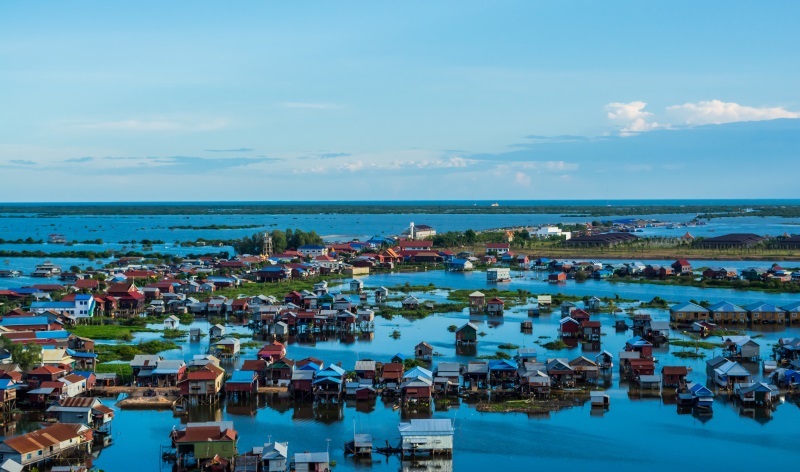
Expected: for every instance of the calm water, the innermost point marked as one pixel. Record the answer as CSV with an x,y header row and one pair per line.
x,y
488,440
634,429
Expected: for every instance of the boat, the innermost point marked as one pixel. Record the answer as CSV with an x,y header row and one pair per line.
x,y
9,273
48,269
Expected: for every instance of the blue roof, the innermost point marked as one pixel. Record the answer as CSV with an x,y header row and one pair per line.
x,y
418,372
459,261
83,297
502,364
24,320
54,305
272,269
331,370
26,291
241,376
309,366
83,373
328,379
52,334
81,354
699,389
400,356
7,384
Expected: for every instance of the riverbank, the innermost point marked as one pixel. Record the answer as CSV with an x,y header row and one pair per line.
x,y
537,250
556,402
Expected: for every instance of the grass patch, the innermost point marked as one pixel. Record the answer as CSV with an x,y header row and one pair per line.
x,y
123,370
510,297
126,352
696,344
689,355
420,312
175,333
117,332
556,345
508,346
497,355
276,289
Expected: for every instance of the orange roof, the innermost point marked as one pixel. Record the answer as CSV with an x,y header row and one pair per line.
x,y
205,433
45,437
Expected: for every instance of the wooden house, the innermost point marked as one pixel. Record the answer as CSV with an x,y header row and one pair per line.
x,y
640,345
217,331
410,303
567,308
560,373
467,334
202,384
242,382
366,370
391,373
89,411
302,383
591,330
423,351
593,303
417,386
569,328
272,352
688,312
758,393
682,267
729,373
426,436
477,302
45,444
726,312
584,370
557,277
274,457
202,441
674,376
741,347
495,306
312,462
172,322
762,312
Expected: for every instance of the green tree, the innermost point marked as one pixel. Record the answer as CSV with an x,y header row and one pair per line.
x,y
470,236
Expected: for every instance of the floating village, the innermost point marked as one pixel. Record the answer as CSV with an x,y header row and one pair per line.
x,y
253,331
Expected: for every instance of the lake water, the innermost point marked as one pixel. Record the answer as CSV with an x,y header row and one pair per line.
x,y
571,437
637,432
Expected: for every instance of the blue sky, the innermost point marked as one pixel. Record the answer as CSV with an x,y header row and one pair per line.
x,y
405,100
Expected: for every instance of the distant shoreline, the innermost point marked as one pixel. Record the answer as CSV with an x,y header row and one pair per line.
x,y
559,209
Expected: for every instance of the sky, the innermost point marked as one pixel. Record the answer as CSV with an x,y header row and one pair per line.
x,y
352,100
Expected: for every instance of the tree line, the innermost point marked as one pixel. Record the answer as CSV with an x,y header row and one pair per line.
x,y
281,241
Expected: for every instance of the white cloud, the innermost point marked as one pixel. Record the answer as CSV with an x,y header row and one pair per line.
x,y
353,166
631,117
522,178
311,105
717,112
550,166
157,125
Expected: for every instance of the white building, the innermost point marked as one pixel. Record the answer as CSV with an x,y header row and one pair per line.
x,y
433,435
419,231
498,274
548,231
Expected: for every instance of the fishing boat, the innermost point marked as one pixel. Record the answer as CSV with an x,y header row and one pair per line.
x,y
9,273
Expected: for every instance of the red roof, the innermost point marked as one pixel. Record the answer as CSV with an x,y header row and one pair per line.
x,y
86,283
416,244
46,369
675,370
497,246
